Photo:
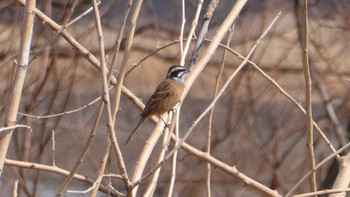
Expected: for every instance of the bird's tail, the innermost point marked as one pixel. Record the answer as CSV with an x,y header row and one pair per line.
x,y
133,132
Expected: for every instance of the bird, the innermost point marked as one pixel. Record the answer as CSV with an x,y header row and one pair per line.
x,y
165,97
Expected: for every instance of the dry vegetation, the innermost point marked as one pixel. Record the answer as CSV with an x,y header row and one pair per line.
x,y
260,135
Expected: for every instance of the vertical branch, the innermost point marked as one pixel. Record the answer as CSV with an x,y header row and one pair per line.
x,y
127,52
182,61
106,97
15,188
308,86
106,102
105,156
173,164
204,30
114,59
53,148
16,90
190,35
125,60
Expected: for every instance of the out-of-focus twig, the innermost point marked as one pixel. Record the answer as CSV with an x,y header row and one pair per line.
x,y
211,114
329,107
83,152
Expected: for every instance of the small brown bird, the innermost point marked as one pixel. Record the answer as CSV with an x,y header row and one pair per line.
x,y
165,97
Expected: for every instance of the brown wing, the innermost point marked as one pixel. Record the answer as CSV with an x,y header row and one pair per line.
x,y
162,92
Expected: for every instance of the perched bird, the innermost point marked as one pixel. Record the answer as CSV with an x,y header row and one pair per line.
x,y
165,97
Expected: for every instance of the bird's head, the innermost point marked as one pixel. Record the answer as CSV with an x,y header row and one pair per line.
x,y
177,73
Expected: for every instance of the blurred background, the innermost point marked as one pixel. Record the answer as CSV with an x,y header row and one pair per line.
x,y
255,127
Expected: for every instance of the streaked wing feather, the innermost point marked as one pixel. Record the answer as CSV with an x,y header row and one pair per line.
x,y
161,93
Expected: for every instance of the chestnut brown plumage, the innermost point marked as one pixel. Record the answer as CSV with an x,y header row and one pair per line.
x,y
165,97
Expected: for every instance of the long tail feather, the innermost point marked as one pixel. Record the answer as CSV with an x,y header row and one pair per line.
x,y
133,132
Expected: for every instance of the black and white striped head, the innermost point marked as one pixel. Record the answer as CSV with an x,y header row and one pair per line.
x,y
177,73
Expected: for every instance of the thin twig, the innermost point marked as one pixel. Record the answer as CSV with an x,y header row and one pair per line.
x,y
106,97
124,65
182,62
191,33
53,169
62,113
15,189
116,52
15,127
308,94
53,148
102,166
96,183
181,36
204,30
173,164
105,156
324,192
82,15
